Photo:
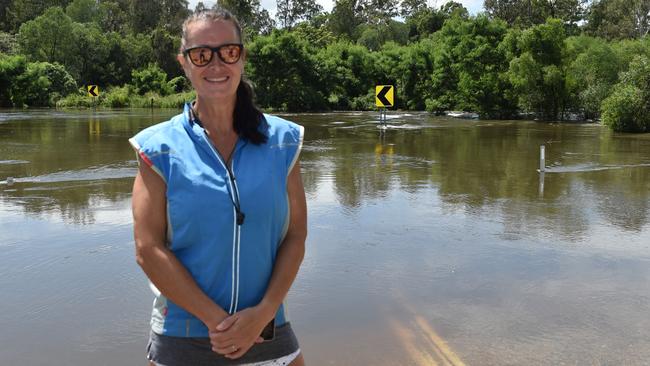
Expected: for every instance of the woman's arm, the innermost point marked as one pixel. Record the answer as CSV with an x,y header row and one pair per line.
x,y
244,327
161,266
292,250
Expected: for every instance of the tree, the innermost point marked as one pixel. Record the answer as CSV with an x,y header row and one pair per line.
x,y
315,32
379,11
408,8
113,18
617,19
173,13
253,19
592,73
350,69
5,24
374,36
290,12
509,10
88,54
424,22
83,11
628,108
42,84
10,68
150,79
144,15
346,16
452,8
165,47
200,6
48,37
470,68
8,43
532,12
283,67
21,11
538,74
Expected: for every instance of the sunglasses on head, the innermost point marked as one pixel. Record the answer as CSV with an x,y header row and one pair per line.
x,y
202,55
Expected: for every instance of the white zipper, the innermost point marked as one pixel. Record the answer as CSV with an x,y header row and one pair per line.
x,y
234,297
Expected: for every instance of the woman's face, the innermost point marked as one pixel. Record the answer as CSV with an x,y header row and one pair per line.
x,y
216,80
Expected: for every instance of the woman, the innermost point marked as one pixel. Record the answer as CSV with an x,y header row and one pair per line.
x,y
219,214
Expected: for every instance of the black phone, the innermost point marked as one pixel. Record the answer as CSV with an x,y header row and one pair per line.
x,y
268,333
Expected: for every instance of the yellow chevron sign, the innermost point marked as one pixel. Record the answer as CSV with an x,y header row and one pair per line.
x,y
93,90
384,96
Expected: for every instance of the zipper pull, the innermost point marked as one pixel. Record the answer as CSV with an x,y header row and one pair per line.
x,y
240,218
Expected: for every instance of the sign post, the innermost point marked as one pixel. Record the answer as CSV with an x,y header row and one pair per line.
x,y
93,92
384,98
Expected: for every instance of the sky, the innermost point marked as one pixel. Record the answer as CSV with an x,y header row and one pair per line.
x,y
474,6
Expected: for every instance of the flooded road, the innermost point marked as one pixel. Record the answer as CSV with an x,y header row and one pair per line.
x,y
431,242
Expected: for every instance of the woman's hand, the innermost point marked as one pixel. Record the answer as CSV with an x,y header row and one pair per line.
x,y
236,334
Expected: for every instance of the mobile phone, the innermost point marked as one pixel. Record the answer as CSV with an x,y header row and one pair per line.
x,y
268,333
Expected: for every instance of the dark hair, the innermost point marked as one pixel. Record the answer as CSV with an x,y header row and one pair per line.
x,y
249,122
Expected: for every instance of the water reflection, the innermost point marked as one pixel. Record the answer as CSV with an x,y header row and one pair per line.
x,y
486,168
67,162
62,162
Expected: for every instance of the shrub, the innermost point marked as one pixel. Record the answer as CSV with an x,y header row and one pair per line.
x,y
150,79
628,108
42,84
179,84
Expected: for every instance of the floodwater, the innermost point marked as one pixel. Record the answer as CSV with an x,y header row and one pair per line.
x,y
431,242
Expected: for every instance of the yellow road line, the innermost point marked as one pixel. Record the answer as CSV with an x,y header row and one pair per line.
x,y
407,338
438,342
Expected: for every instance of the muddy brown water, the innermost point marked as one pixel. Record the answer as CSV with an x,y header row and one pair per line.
x,y
432,241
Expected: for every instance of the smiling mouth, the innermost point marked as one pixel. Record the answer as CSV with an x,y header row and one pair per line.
x,y
217,80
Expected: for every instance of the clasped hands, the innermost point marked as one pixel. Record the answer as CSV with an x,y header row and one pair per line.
x,y
237,333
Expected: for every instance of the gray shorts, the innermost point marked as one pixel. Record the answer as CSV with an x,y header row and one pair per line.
x,y
181,351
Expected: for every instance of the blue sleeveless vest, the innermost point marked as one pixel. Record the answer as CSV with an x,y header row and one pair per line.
x,y
231,263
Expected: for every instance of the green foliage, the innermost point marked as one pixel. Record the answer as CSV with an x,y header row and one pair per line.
x,y
22,11
349,70
48,37
84,11
113,16
88,53
628,108
374,37
150,79
252,17
283,69
179,84
537,73
618,19
8,43
41,84
10,68
593,69
526,13
317,35
290,12
345,18
469,69
165,48
425,22
117,97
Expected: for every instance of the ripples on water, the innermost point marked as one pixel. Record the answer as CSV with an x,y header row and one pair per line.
x,y
432,241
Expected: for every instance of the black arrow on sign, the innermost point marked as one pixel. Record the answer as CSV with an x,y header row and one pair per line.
x,y
382,96
92,91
